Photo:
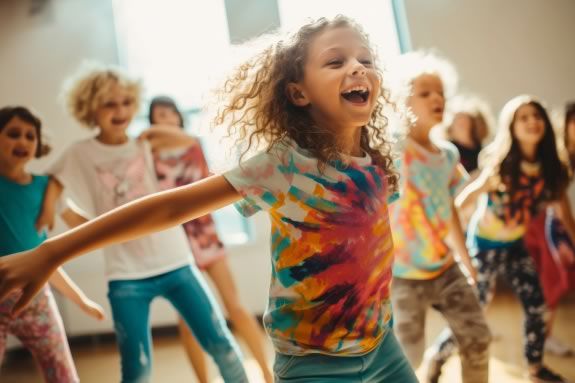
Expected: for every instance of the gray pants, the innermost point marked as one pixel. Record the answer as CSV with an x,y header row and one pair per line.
x,y
456,300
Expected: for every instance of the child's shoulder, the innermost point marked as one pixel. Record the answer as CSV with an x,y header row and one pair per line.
x,y
448,148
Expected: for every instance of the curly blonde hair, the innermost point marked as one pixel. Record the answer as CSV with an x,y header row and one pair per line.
x,y
408,67
85,91
258,111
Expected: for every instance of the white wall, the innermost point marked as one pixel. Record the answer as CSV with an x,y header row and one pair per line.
x,y
36,54
502,48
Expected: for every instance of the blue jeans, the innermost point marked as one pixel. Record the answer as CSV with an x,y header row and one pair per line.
x,y
385,363
187,292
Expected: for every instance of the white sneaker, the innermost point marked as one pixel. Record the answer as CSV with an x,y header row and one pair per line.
x,y
555,347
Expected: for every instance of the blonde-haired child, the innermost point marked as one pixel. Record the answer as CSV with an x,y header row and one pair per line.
x,y
426,272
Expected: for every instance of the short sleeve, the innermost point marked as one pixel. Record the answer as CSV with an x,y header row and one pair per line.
x,y
67,169
262,181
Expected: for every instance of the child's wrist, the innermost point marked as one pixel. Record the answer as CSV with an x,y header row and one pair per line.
x,y
48,252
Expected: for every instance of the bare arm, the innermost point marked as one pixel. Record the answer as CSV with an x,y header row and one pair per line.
x,y
66,286
72,218
46,217
471,192
458,239
29,270
167,137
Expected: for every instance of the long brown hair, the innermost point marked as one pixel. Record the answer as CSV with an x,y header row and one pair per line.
x,y
503,156
256,107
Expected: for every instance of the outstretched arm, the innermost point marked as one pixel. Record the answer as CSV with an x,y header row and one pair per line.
x,y
29,271
471,192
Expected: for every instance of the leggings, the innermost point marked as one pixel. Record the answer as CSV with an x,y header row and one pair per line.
x,y
186,290
40,329
517,266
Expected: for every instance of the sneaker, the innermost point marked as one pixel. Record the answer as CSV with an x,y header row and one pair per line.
x,y
545,375
434,370
555,347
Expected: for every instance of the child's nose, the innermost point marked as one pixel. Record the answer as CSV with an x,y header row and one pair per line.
x,y
358,69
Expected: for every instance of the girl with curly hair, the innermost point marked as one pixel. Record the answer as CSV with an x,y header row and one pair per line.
x,y
315,101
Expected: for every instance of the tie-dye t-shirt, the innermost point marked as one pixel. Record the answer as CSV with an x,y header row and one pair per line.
x,y
331,248
501,219
421,218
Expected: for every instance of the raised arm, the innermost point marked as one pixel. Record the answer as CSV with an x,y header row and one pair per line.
x,y
29,270
163,137
471,192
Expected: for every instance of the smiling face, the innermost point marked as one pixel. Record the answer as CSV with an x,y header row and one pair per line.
x,y
340,85
18,143
528,125
116,111
427,101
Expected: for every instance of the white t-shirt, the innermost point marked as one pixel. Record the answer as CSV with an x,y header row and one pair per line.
x,y
98,178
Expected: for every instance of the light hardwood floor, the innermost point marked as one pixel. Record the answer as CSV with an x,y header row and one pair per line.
x,y
98,363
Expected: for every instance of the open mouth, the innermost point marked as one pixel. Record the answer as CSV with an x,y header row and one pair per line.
x,y
20,153
357,95
119,121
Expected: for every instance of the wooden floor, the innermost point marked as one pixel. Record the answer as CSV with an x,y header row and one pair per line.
x,y
99,363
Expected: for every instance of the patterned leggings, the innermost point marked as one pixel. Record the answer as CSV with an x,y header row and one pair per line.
x,y
39,327
518,268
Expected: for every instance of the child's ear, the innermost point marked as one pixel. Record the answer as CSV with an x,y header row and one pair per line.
x,y
296,94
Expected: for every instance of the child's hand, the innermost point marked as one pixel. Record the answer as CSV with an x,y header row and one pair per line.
x,y
165,137
470,271
27,272
45,220
472,275
93,309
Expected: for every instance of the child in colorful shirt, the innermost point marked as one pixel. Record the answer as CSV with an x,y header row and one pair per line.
x,y
324,179
521,177
425,273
